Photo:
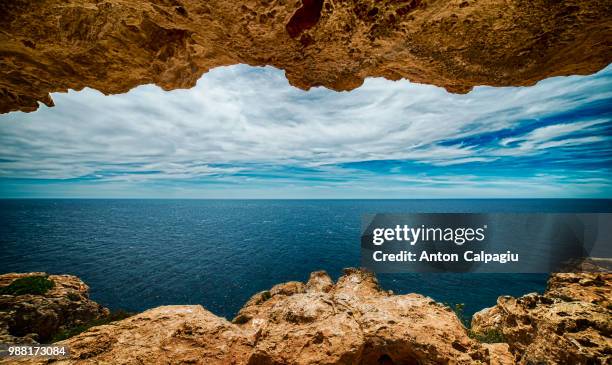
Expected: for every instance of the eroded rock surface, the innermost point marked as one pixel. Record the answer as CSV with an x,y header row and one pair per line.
x,y
353,321
349,322
571,323
115,45
30,318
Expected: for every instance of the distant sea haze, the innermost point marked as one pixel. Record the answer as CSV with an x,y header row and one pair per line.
x,y
138,254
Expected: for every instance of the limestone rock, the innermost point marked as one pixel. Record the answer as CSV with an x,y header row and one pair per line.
x,y
570,323
164,335
499,354
593,288
30,318
114,45
319,281
353,321
349,322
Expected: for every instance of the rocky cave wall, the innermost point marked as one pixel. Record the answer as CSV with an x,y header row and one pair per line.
x,y
114,45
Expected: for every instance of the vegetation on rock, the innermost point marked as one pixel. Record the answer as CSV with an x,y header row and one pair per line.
x,y
37,285
73,331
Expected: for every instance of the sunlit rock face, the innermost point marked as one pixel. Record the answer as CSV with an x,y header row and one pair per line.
x,y
351,321
569,324
113,46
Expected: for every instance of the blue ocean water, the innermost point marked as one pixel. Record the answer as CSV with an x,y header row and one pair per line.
x,y
138,254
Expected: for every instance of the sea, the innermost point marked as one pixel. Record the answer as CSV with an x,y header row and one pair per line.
x,y
139,254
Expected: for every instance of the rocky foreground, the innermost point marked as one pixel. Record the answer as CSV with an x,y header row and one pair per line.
x,y
351,321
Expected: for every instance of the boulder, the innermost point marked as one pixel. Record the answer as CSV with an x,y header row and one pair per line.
x,y
570,323
32,318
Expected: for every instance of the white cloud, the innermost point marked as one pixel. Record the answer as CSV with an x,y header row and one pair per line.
x,y
241,115
543,137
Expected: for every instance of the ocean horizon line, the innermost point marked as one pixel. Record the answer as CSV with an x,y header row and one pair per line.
x,y
298,199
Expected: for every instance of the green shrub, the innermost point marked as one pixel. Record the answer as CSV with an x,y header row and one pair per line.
x,y
73,331
491,336
459,309
37,285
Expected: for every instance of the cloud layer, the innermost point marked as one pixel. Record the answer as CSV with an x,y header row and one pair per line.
x,y
244,132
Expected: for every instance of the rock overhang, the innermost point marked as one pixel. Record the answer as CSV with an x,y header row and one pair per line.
x,y
113,46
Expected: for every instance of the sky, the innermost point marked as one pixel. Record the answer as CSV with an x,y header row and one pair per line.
x,y
244,132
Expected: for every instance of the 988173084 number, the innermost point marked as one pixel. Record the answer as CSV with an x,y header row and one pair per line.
x,y
47,351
